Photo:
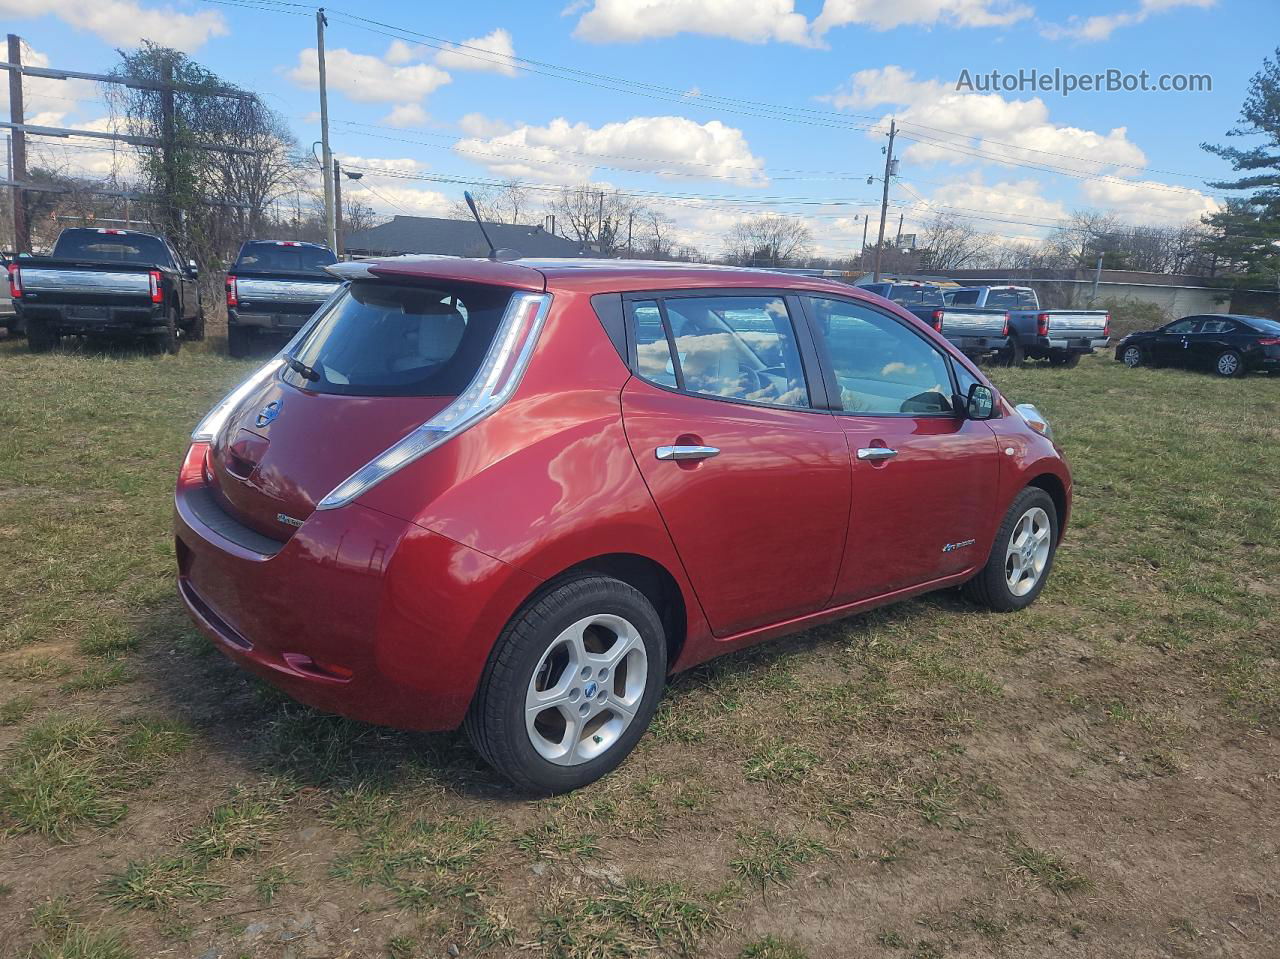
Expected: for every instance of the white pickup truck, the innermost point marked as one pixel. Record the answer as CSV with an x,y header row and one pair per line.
x,y
1059,336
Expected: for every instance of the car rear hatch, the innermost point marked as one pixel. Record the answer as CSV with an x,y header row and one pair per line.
x,y
387,355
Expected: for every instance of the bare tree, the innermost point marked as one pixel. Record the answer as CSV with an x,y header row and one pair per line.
x,y
767,240
511,202
951,243
654,236
597,217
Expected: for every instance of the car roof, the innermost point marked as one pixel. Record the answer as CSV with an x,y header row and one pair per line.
x,y
587,275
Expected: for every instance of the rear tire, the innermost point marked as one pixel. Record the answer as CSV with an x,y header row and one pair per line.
x,y
41,337
169,339
1024,545
1066,360
594,649
195,329
1011,356
239,342
1229,363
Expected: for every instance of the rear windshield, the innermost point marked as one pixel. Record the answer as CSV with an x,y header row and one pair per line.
x,y
281,258
112,247
1270,327
384,339
1011,299
916,295
961,297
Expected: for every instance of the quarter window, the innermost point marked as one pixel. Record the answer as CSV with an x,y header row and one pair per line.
x,y
1217,326
729,347
881,366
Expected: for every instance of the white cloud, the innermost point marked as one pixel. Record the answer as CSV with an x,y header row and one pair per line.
x,y
406,115
385,164
391,198
671,147
494,52
47,102
1100,27
752,21
369,79
124,22
989,205
992,126
1149,201
479,125
887,14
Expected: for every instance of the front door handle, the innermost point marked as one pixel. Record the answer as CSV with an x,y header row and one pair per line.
x,y
876,453
685,452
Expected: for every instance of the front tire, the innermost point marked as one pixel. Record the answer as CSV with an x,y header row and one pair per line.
x,y
570,686
1132,357
1229,364
1022,555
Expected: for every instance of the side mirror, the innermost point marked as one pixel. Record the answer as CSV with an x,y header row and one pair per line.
x,y
981,403
192,268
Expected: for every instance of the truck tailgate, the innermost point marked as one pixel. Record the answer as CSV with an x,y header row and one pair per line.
x,y
85,282
959,322
252,289
1068,323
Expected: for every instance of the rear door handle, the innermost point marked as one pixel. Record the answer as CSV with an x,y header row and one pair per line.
x,y
876,453
685,452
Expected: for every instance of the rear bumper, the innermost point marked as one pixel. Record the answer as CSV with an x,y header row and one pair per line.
x,y
978,344
94,318
358,613
1073,344
268,322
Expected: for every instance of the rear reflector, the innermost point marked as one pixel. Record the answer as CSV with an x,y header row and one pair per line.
x,y
157,287
15,281
494,382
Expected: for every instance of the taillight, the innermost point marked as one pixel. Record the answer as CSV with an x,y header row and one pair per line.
x,y
157,287
1042,324
1270,341
937,320
15,281
496,380
1005,331
233,293
1106,325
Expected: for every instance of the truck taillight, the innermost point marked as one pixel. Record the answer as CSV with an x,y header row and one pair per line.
x,y
937,320
15,281
233,294
1042,324
1005,331
157,287
1106,325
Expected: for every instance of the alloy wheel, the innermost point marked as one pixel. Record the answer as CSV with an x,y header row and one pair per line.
x,y
1132,356
1228,364
586,689
1028,551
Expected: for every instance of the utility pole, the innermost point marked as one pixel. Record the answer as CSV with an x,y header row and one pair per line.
x,y
862,253
600,227
898,241
337,210
630,217
884,200
18,150
169,147
326,158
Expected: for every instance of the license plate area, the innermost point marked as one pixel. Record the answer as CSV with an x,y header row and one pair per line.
x,y
88,312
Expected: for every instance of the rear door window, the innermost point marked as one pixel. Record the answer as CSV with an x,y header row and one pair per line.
x,y
727,347
387,339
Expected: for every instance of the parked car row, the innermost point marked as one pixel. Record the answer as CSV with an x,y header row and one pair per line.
x,y
125,283
1227,343
1005,323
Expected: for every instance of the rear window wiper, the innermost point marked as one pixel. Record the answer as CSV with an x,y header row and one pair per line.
x,y
295,364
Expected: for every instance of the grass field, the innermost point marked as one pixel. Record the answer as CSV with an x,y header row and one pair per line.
x,y
1097,776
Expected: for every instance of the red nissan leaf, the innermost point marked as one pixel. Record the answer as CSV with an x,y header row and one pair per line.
x,y
516,496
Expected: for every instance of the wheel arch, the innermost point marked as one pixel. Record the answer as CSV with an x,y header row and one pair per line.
x,y
1057,490
642,573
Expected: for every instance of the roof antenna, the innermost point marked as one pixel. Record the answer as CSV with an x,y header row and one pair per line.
x,y
494,252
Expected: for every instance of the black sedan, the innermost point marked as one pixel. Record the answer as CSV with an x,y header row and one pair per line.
x,y
1227,343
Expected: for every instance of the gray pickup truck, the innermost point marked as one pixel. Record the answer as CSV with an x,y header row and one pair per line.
x,y
107,283
974,331
1059,336
273,288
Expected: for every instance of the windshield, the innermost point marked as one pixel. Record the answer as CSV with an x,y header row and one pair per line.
x,y
916,295
280,257
384,339
112,247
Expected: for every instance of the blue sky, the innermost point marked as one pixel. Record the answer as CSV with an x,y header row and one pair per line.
x,y
725,108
